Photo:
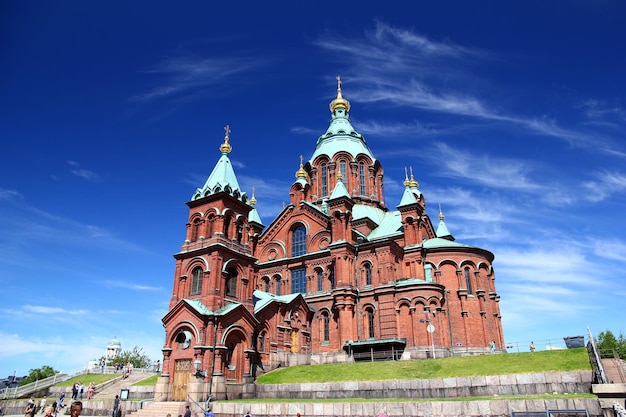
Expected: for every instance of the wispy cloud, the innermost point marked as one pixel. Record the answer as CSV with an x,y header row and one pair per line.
x,y
185,77
407,69
605,185
130,285
485,170
83,173
53,310
23,223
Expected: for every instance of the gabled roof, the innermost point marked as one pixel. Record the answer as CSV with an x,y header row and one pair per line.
x,y
339,191
263,299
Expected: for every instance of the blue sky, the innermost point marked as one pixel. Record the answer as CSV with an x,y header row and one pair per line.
x,y
511,114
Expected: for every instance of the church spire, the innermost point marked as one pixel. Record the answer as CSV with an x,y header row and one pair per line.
x,y
301,173
222,178
339,101
442,229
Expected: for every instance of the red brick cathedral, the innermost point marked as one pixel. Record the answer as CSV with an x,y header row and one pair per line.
x,y
336,277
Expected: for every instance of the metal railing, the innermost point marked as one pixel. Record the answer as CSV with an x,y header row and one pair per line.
x,y
24,390
551,413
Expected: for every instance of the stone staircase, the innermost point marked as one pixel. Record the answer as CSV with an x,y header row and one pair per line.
x,y
109,390
162,409
615,370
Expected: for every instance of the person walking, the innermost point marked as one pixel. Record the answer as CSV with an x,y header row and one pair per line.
x,y
116,406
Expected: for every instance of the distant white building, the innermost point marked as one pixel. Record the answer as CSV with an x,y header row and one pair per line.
x,y
114,348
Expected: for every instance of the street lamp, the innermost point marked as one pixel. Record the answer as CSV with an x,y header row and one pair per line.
x,y
430,328
199,372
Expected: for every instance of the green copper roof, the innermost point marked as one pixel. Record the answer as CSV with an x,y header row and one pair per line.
x,y
442,243
253,216
341,136
442,229
340,190
410,196
262,299
221,179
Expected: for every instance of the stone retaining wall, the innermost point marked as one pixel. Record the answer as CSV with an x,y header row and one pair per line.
x,y
490,408
515,384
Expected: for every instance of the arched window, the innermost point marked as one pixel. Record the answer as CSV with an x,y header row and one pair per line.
x,y
262,342
326,319
362,178
331,278
468,282
370,323
266,281
239,231
368,274
320,280
195,229
298,241
196,281
324,179
298,281
342,169
211,224
226,226
278,286
231,282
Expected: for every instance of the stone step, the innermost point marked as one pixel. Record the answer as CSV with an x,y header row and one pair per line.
x,y
161,409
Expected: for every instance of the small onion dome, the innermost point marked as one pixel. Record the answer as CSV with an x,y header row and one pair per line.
x,y
225,148
339,101
301,173
253,200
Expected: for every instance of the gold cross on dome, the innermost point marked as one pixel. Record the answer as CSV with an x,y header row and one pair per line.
x,y
227,130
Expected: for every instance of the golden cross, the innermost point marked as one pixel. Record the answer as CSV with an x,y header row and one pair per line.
x,y
227,129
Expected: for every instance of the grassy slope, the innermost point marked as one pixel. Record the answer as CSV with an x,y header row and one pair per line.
x,y
512,363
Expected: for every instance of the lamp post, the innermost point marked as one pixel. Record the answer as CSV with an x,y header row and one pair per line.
x,y
430,329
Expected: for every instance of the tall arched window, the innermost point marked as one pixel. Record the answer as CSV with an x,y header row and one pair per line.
x,y
342,169
362,178
231,282
326,319
239,231
298,241
298,281
267,284
324,179
211,224
226,226
320,280
331,278
370,322
195,229
196,281
278,286
368,274
468,281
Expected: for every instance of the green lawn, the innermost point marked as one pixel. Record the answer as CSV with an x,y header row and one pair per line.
x,y
151,380
498,364
86,379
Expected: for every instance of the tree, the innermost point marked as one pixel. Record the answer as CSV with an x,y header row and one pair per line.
x,y
137,357
608,342
37,374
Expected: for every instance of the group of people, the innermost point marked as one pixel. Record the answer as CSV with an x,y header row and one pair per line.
x,y
51,411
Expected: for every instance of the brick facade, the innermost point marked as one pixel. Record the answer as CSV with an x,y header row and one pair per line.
x,y
336,276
